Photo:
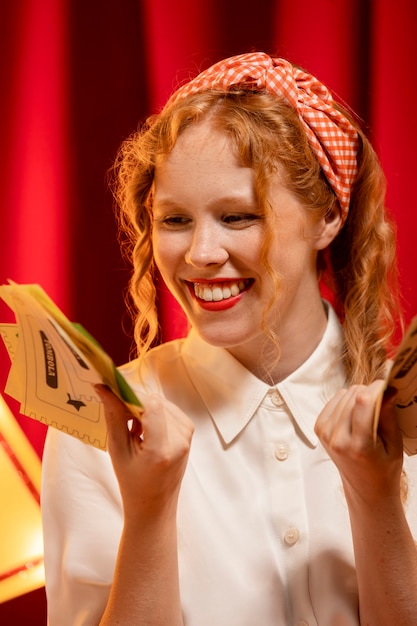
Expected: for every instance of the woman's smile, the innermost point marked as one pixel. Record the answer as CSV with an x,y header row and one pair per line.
x,y
218,294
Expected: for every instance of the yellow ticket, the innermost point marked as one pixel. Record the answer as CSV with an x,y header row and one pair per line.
x,y
402,376
54,365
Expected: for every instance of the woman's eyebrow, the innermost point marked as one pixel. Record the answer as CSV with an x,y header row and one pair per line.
x,y
232,201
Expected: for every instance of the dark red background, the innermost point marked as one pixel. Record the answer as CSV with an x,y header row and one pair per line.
x,y
77,76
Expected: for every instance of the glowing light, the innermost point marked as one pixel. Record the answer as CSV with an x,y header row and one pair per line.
x,y
21,545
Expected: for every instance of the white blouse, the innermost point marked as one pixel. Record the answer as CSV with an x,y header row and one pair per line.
x,y
263,528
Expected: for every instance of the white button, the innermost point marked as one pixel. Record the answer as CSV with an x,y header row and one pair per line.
x,y
291,536
281,451
276,398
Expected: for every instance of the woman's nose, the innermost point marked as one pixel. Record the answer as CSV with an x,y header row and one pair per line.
x,y
206,248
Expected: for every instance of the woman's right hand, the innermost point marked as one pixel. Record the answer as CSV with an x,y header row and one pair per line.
x,y
149,458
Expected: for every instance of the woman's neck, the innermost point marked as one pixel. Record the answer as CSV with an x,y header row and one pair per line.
x,y
297,340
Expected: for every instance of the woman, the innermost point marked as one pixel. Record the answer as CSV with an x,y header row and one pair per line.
x,y
252,491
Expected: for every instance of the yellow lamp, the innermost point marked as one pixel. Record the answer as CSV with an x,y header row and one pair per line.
x,y
21,546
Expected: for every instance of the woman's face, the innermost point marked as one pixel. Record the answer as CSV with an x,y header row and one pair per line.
x,y
207,239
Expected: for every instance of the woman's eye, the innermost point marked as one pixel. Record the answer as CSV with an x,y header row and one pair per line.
x,y
174,220
240,219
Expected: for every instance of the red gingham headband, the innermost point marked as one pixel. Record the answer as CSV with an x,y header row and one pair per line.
x,y
332,137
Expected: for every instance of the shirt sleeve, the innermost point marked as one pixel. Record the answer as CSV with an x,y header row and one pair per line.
x,y
82,522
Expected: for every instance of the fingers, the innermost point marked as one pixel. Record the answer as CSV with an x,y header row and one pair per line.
x,y
167,431
363,414
162,427
348,418
117,417
388,428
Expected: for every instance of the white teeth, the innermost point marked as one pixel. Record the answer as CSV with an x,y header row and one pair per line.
x,y
207,294
217,292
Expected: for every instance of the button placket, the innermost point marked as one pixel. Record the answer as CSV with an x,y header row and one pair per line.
x,y
288,505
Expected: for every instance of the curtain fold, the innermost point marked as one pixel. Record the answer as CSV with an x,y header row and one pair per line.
x,y
393,97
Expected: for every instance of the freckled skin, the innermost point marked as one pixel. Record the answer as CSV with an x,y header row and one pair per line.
x,y
208,226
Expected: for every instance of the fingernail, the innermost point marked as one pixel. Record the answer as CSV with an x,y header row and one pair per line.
x,y
100,388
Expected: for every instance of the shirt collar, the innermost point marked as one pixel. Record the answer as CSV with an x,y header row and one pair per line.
x,y
232,394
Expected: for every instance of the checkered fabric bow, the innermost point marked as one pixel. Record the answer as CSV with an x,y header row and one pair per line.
x,y
331,135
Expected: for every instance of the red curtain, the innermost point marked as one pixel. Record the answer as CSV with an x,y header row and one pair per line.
x,y
76,77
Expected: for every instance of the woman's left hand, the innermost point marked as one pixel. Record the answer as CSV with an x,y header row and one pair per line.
x,y
370,467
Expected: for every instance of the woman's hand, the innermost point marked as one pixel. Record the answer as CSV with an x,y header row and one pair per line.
x,y
149,457
384,549
370,468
